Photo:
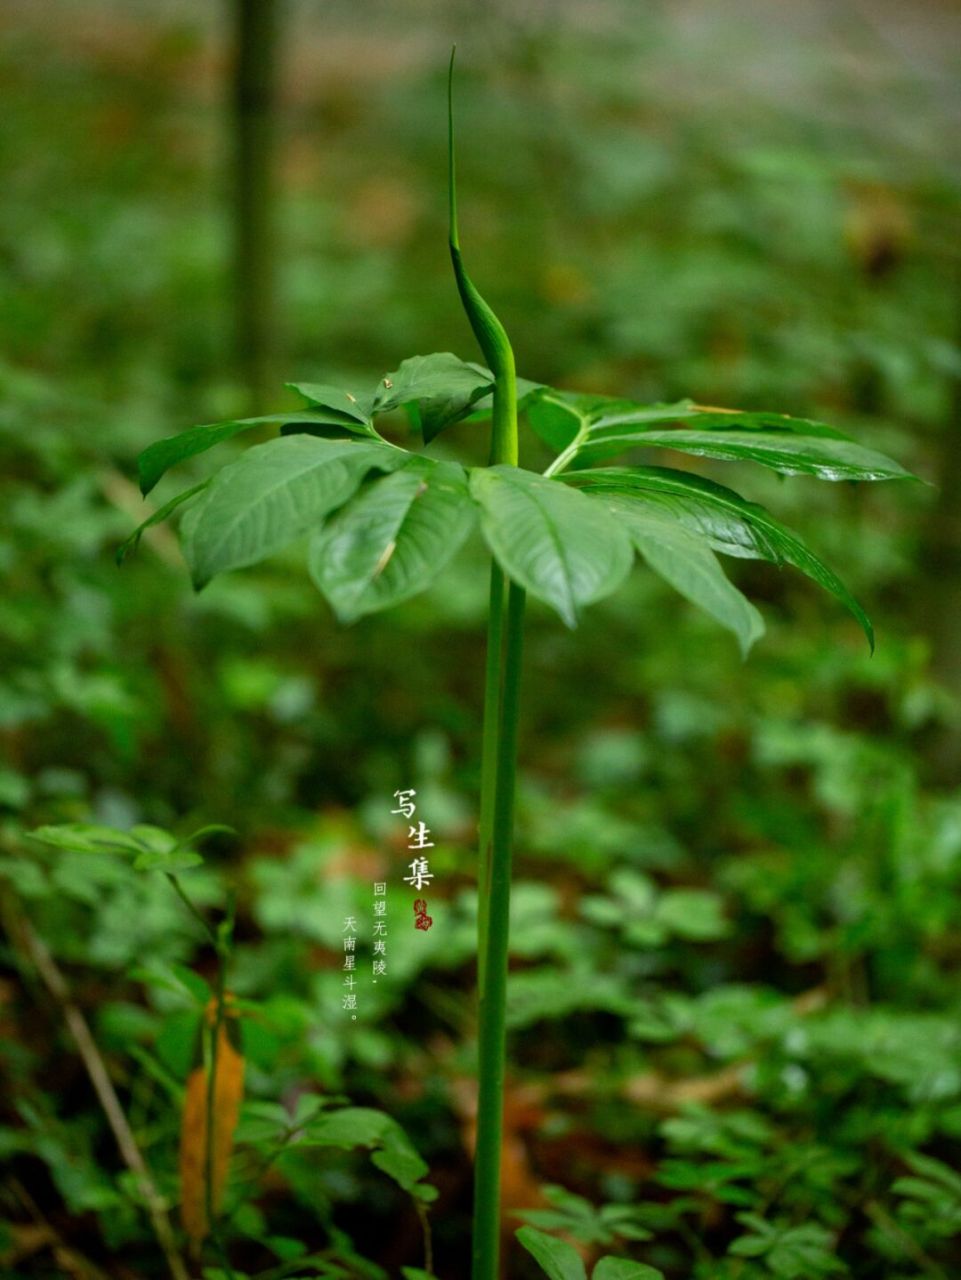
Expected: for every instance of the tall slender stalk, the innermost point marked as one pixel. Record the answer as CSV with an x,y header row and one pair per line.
x,y
493,943
495,627
498,767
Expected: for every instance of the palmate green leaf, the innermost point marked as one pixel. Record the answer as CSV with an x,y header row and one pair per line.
x,y
273,494
729,523
176,978
616,415
802,1252
558,544
829,457
946,1179
557,421
557,1259
364,1127
391,540
624,1269
162,513
557,416
83,837
169,860
696,915
349,1127
688,564
157,459
151,848
792,446
328,430
400,1161
205,832
163,852
340,404
438,389
571,1213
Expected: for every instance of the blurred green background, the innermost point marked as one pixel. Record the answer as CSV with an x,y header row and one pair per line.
x,y
734,1002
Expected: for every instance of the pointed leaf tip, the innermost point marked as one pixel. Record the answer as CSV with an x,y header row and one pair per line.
x,y
567,553
720,517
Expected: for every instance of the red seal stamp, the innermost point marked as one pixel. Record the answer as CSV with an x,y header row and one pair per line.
x,y
421,919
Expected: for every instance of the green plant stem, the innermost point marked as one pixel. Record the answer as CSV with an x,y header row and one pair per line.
x,y
495,629
493,953
567,456
191,907
499,764
498,767
424,1217
504,445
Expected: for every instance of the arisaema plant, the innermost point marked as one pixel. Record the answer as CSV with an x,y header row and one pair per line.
x,y
383,521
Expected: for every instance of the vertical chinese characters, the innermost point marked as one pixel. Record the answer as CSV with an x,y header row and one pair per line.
x,y
378,959
350,948
420,872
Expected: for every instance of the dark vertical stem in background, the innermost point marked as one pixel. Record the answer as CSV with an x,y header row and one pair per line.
x,y
256,32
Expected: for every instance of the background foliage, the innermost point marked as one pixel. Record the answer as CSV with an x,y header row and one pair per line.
x,y
734,1003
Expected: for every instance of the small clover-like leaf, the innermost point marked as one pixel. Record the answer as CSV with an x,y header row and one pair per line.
x,y
556,1258
395,1154
398,1159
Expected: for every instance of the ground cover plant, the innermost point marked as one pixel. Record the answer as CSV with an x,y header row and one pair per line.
x,y
730,1003
567,536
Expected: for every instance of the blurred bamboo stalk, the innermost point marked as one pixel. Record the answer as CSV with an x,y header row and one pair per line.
x,y
256,38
